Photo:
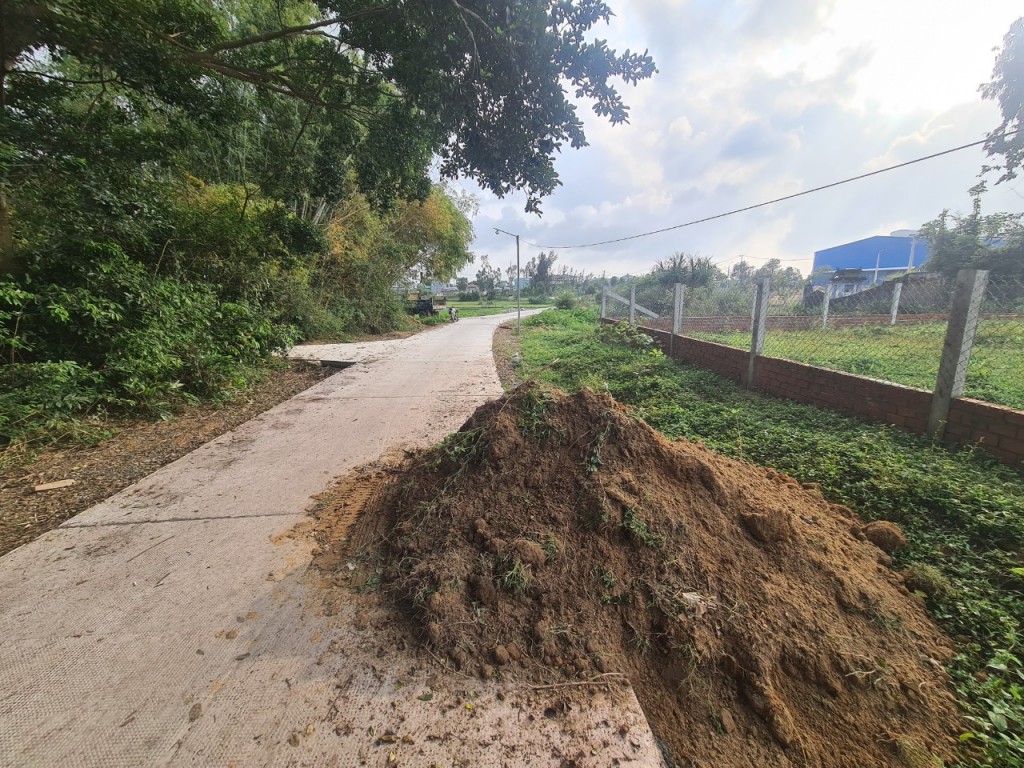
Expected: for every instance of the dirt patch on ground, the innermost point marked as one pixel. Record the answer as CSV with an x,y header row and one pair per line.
x,y
507,348
135,450
554,538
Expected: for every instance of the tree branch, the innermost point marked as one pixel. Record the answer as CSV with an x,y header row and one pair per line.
x,y
285,32
59,79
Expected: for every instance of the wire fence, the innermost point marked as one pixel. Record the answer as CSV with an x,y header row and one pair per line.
x,y
893,331
996,370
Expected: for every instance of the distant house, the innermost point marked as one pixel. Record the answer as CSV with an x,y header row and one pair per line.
x,y
443,289
869,261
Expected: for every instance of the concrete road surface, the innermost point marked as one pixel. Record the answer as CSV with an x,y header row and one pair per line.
x,y
175,623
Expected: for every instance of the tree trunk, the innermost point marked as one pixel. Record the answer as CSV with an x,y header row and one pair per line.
x,y
8,261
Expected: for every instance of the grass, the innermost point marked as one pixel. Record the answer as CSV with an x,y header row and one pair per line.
x,y
481,308
963,512
907,354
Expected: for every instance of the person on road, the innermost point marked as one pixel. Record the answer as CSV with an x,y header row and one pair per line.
x,y
455,314
451,314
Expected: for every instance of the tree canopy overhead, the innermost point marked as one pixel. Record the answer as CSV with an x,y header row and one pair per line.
x,y
480,84
1007,89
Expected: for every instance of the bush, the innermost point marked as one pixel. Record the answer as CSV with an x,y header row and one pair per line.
x,y
469,296
566,300
538,300
98,329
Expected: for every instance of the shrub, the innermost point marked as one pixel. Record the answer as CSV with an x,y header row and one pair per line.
x,y
566,300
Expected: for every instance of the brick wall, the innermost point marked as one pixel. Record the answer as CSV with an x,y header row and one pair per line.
x,y
726,361
993,428
870,399
799,322
785,322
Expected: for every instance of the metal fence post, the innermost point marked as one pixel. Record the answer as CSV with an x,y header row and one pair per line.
x,y
956,349
604,302
824,306
759,326
632,305
897,291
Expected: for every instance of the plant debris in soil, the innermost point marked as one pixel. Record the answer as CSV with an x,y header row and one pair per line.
x,y
135,450
556,538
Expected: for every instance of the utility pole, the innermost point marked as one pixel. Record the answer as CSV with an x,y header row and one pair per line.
x,y
519,302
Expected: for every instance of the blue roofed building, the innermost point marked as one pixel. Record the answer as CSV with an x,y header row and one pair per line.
x,y
858,265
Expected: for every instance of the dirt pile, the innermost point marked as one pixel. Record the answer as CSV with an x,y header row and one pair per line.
x,y
555,537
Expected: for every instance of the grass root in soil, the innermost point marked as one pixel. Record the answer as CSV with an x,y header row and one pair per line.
x,y
556,538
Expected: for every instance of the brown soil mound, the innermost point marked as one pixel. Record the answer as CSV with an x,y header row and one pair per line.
x,y
555,536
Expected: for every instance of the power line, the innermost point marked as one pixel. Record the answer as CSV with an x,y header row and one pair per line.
x,y
772,202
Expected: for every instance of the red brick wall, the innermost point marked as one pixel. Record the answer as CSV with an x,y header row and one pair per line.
x,y
871,399
726,361
993,428
784,322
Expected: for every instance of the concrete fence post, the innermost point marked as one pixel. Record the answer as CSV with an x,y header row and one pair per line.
x,y
678,294
604,302
632,305
897,292
678,302
759,327
956,349
824,305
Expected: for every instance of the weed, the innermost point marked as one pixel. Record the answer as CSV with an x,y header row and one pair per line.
x,y
423,594
552,547
637,529
369,584
887,622
640,642
516,580
609,583
463,447
594,461
533,417
927,579
607,578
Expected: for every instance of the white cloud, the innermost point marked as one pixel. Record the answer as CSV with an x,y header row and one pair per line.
x,y
757,99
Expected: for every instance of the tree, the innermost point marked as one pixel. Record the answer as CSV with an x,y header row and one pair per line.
x,y
482,85
1007,89
741,271
538,269
512,272
462,283
691,271
487,277
433,234
975,241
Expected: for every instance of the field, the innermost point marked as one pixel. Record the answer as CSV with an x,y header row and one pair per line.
x,y
906,354
963,513
481,308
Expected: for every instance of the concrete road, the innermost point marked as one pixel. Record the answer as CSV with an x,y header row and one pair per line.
x,y
175,623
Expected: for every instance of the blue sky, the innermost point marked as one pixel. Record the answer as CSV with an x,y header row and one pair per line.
x,y
756,99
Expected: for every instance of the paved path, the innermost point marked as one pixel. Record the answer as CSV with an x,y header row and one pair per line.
x,y
173,624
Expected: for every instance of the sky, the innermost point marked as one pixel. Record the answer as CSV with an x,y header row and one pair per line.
x,y
757,99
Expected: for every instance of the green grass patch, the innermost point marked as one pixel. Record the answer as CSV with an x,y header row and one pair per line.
x,y
905,354
483,308
963,512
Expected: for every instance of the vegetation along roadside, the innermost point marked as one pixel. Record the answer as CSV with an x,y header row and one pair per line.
x,y
962,512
